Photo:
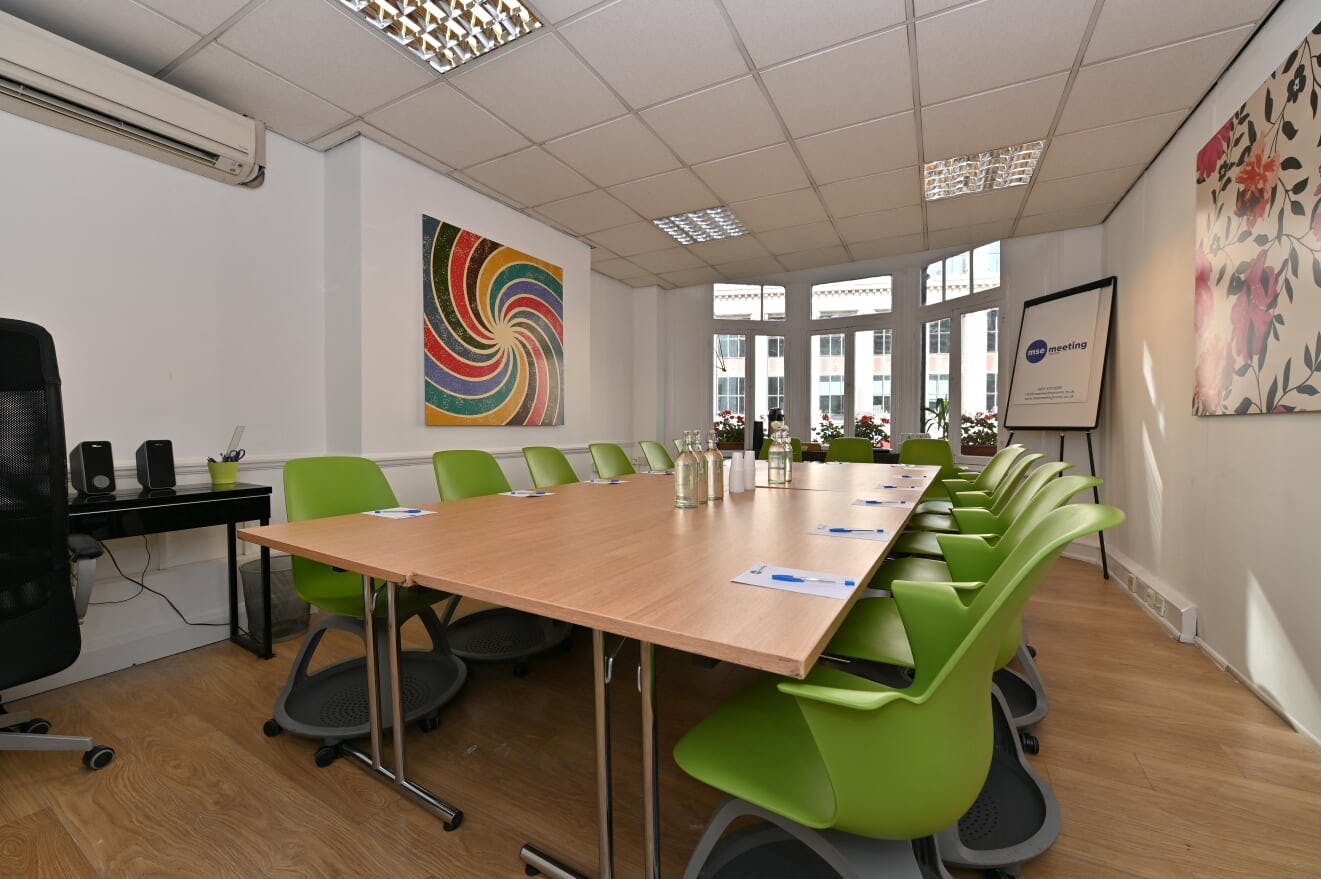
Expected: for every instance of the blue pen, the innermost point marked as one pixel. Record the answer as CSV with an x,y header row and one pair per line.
x,y
790,578
852,530
412,511
900,503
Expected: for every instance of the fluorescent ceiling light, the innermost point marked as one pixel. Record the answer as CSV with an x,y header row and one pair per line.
x,y
708,224
994,169
446,33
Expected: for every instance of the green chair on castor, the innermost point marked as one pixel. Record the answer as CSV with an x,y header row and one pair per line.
x,y
764,452
862,775
987,480
497,634
930,453
853,449
610,460
657,458
327,704
992,500
548,467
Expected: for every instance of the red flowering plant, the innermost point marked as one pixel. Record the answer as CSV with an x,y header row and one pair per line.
x,y
828,431
728,427
876,430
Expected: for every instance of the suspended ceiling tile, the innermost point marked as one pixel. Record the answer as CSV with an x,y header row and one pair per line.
x,y
1158,81
598,252
692,277
467,136
927,7
811,259
980,207
672,259
753,174
1128,26
337,136
478,186
1056,221
590,212
892,189
811,236
700,127
778,211
796,28
117,29
632,239
865,79
652,51
554,11
614,152
673,192
881,224
1102,187
532,177
729,249
618,269
860,150
1004,117
750,268
970,235
997,42
315,46
539,87
403,149
217,74
884,247
202,16
1112,146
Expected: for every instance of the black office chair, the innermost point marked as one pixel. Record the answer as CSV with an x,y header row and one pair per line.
x,y
39,612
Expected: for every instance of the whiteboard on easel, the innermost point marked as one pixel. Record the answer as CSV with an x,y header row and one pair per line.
x,y
1059,365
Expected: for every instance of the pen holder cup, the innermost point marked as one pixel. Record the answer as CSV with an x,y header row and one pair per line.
x,y
223,472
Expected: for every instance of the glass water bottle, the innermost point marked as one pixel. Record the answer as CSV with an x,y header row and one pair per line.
x,y
694,444
686,476
715,470
778,458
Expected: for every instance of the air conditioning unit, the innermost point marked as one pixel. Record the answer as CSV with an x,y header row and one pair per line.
x,y
49,79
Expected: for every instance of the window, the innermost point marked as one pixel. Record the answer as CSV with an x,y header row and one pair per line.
x,y
847,298
882,342
729,345
775,346
729,394
830,396
769,360
880,396
969,272
991,402
937,388
935,378
938,337
979,368
774,392
993,331
831,345
748,302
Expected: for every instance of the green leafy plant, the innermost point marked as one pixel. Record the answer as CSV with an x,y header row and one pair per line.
x,y
937,416
981,429
728,427
828,431
876,430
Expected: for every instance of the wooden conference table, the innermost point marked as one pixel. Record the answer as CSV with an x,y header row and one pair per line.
x,y
618,559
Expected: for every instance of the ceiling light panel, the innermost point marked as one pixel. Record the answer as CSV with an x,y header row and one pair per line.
x,y
980,172
446,33
708,224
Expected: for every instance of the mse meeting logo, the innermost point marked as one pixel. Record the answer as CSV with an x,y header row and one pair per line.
x,y
1037,351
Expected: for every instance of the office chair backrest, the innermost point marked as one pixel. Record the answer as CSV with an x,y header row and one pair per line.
x,y
930,453
548,467
1014,505
853,449
764,452
657,457
38,623
465,473
610,460
997,467
1002,492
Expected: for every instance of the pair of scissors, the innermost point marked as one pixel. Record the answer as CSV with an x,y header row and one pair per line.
x,y
235,455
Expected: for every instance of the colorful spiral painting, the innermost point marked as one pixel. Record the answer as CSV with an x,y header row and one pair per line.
x,y
493,331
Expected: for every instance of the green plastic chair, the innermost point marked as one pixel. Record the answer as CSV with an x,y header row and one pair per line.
x,y
853,449
548,467
499,634
987,480
841,752
657,457
994,500
930,453
610,460
764,452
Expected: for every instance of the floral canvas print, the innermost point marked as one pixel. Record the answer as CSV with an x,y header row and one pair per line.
x,y
1257,305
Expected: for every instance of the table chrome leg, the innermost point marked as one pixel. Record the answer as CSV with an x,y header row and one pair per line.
x,y
373,670
396,681
650,763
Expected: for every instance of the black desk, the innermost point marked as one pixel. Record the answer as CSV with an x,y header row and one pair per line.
x,y
133,512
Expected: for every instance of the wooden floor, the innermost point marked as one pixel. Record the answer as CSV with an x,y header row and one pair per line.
x,y
1163,766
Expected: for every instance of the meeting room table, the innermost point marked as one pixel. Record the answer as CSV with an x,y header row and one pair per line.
x,y
619,559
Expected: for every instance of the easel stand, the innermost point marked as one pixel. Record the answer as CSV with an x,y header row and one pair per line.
x,y
1096,493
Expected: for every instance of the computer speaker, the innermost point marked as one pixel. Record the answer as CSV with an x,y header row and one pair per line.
x,y
92,468
156,464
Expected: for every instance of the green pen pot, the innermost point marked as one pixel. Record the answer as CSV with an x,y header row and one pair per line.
x,y
223,472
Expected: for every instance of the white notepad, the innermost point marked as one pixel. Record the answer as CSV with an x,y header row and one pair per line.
x,y
764,576
857,533
606,481
523,492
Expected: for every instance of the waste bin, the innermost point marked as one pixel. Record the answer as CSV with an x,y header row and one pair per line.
x,y
289,613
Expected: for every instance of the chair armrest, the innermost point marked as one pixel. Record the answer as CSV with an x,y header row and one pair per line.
x,y
84,546
969,557
977,520
971,499
85,550
935,618
858,700
954,486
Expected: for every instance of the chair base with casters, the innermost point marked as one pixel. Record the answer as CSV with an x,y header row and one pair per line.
x,y
1025,693
1016,816
332,704
781,849
502,634
20,731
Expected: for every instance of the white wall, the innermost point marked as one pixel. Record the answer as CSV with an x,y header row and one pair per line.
x,y
1222,509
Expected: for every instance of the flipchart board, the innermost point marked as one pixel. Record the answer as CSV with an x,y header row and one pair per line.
x,y
1059,365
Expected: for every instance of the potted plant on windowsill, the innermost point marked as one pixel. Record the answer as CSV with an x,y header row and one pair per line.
x,y
874,430
828,431
728,429
979,434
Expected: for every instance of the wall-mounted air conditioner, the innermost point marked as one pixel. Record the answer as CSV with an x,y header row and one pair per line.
x,y
51,80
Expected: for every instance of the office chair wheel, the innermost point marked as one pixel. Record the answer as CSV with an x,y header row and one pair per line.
x,y
1001,874
271,728
1032,651
326,754
37,726
430,723
521,668
530,870
98,757
1029,742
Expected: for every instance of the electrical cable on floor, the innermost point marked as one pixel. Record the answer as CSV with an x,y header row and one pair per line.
x,y
142,586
